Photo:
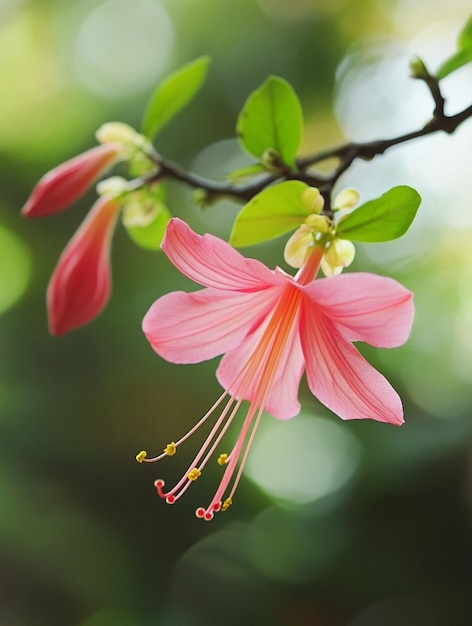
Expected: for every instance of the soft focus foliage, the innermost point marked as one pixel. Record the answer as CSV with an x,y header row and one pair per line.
x,y
379,535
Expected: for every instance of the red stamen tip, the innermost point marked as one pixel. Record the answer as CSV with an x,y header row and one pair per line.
x,y
200,512
159,484
170,499
208,516
217,506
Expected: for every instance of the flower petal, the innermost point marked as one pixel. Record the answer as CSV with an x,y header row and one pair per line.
x,y
80,285
193,327
282,398
272,372
66,183
212,262
366,307
340,377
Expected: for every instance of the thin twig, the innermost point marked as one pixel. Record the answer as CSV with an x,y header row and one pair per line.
x,y
212,191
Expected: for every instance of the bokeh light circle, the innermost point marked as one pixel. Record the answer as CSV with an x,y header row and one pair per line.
x,y
124,47
303,459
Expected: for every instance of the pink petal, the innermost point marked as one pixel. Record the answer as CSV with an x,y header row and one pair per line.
x,y
282,397
81,283
369,308
194,327
212,262
340,377
66,183
270,360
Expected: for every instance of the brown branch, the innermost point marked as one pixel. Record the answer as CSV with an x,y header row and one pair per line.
x,y
346,154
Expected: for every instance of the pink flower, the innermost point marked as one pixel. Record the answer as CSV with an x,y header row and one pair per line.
x,y
271,327
66,183
81,283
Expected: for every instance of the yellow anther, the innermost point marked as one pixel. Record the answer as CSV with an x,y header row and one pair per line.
x,y
170,449
141,456
194,474
226,504
222,459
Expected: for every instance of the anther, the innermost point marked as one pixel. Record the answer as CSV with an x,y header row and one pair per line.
x,y
200,512
226,504
208,516
170,499
194,474
141,456
170,449
222,459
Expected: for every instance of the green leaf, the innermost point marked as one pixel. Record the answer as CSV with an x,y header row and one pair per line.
x,y
465,37
455,62
148,233
271,118
246,172
273,212
463,54
382,219
173,93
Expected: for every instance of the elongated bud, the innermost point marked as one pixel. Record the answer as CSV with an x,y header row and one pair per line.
x,y
81,283
60,187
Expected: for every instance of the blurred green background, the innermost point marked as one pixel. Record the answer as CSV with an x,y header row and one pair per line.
x,y
334,524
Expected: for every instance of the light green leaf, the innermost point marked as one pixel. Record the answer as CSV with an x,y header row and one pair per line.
x,y
273,212
148,233
382,219
455,62
271,118
463,54
246,172
465,36
173,93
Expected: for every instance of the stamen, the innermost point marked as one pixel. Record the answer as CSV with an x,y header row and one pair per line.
x,y
222,459
276,333
141,456
226,504
202,514
170,449
194,474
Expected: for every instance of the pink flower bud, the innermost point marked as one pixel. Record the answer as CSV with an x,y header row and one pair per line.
x,y
66,183
81,283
